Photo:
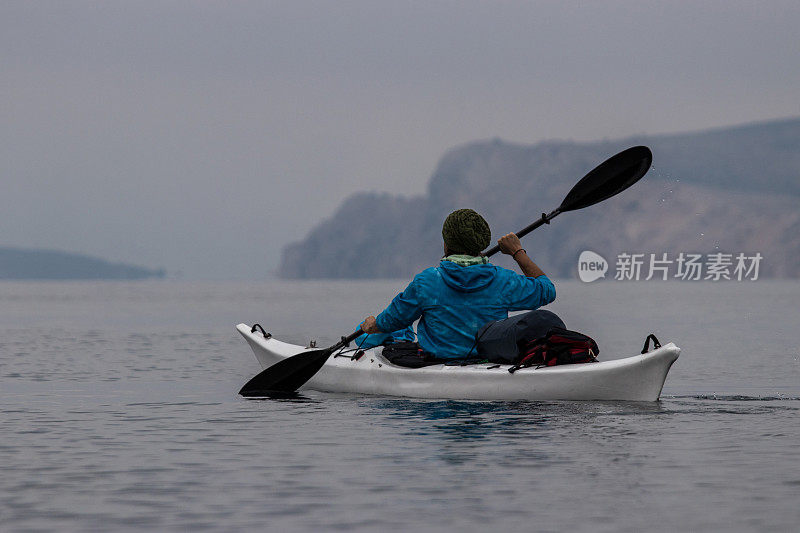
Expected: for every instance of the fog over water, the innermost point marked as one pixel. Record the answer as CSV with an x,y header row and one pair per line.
x,y
202,136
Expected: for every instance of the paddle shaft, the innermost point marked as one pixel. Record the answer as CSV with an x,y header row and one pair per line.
x,y
527,229
345,341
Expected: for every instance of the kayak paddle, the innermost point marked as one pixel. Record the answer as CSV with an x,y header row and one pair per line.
x,y
291,373
611,177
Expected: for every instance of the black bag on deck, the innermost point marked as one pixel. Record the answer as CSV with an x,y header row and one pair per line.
x,y
408,354
559,347
504,341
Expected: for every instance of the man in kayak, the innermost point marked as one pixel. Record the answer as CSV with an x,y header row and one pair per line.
x,y
455,299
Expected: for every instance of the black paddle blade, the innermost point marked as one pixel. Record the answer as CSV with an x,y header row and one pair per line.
x,y
611,177
287,375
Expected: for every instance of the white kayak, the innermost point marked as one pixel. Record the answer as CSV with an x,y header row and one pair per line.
x,y
637,378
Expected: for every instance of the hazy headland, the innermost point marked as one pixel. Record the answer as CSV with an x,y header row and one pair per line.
x,y
730,190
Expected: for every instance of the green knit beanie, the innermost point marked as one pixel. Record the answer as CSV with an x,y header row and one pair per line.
x,y
466,232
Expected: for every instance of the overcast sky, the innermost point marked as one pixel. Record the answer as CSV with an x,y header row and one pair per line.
x,y
203,136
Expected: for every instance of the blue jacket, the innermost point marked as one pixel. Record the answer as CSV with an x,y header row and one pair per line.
x,y
452,302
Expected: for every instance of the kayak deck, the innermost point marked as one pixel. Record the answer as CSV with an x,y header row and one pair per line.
x,y
637,378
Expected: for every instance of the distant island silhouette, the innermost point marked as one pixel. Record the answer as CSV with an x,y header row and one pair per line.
x,y
20,263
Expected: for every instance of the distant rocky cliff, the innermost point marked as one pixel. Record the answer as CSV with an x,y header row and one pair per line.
x,y
16,263
733,190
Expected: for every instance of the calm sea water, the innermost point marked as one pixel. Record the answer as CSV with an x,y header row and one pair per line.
x,y
120,412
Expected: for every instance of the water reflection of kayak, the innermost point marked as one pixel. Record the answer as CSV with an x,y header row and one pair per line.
x,y
637,378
